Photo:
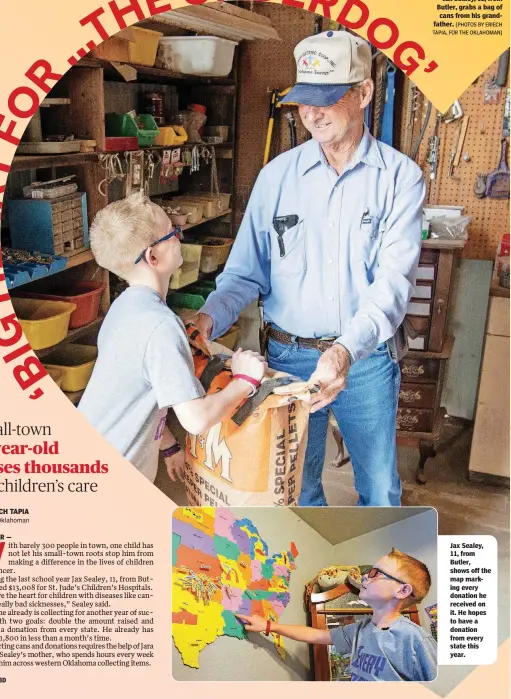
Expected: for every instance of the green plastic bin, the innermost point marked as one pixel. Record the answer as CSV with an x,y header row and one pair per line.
x,y
191,301
126,125
204,289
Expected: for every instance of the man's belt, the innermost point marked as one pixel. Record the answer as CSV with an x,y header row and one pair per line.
x,y
307,342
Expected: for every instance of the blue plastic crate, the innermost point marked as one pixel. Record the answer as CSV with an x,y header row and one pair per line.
x,y
24,272
19,275
9,280
38,224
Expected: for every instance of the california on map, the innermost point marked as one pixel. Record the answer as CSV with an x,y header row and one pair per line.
x,y
221,567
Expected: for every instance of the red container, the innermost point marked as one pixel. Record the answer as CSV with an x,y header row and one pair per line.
x,y
120,143
504,245
197,108
86,296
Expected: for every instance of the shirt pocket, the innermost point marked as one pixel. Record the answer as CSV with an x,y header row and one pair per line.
x,y
288,250
369,237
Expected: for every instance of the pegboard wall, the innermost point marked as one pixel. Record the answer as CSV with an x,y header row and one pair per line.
x,y
264,66
490,217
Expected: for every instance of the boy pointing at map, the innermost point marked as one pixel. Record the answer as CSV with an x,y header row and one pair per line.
x,y
384,647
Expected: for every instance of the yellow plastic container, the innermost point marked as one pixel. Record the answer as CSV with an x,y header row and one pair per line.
x,y
76,362
229,339
57,375
181,135
131,45
189,270
166,137
45,323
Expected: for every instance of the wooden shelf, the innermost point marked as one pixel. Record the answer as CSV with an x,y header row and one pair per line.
x,y
74,261
205,220
71,336
37,162
80,259
220,19
160,73
443,244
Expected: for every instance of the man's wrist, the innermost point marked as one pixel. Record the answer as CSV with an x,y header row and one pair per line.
x,y
349,354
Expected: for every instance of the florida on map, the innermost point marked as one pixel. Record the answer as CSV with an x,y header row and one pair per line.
x,y
220,567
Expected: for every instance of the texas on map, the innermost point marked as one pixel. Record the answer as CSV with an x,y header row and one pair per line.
x,y
220,567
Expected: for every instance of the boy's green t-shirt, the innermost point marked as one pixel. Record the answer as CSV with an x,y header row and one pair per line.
x,y
403,651
144,366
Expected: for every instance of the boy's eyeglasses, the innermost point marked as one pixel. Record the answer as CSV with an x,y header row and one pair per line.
x,y
374,572
175,232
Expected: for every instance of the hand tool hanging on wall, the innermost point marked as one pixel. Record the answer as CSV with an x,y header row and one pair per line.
x,y
454,113
434,144
380,82
497,184
454,148
505,123
461,141
502,69
135,178
276,103
457,145
480,185
292,128
387,129
111,163
424,126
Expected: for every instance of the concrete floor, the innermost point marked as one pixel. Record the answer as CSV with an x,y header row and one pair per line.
x,y
463,507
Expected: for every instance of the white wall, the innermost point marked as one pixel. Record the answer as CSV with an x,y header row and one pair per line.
x,y
256,659
415,536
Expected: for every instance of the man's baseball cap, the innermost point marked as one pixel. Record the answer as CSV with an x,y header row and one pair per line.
x,y
327,65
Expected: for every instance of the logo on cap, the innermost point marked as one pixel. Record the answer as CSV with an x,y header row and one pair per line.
x,y
309,61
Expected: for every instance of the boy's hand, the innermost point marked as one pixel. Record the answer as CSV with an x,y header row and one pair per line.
x,y
176,466
249,363
254,623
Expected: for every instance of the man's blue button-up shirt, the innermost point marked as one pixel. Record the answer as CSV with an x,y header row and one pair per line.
x,y
347,268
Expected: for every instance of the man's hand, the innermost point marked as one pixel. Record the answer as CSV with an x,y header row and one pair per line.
x,y
204,324
330,376
176,466
254,623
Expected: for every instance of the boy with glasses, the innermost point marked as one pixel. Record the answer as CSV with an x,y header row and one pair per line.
x,y
384,647
144,363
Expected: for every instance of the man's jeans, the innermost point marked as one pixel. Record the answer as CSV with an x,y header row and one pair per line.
x,y
366,414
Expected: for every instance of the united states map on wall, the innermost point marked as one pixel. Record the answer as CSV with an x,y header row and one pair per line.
x,y
220,567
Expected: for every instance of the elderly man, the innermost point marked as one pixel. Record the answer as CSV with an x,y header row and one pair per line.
x,y
331,240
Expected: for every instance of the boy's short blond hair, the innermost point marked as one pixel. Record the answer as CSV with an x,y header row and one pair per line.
x,y
415,572
121,231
